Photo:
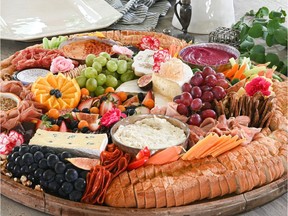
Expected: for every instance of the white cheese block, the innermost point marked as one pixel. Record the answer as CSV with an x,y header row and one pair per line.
x,y
171,87
143,62
132,87
79,143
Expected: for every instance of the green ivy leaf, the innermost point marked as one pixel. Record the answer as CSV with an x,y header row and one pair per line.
x,y
244,32
258,49
270,40
256,31
280,36
261,21
246,45
274,14
272,58
284,70
264,11
258,57
272,25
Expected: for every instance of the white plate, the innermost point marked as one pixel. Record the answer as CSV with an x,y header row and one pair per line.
x,y
25,20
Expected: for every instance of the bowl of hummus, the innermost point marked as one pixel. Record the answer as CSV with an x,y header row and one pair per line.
x,y
215,55
157,132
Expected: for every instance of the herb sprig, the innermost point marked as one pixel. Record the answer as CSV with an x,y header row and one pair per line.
x,y
265,27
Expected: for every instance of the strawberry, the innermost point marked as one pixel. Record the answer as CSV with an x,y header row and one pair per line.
x,y
105,106
114,98
44,125
86,104
63,127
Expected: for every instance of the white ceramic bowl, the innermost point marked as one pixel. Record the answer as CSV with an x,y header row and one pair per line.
x,y
135,118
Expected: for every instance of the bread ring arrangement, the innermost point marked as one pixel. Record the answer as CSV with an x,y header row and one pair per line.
x,y
119,119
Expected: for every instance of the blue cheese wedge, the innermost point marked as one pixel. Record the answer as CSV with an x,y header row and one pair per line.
x,y
79,143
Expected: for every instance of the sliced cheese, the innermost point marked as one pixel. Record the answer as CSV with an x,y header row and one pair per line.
x,y
80,143
170,87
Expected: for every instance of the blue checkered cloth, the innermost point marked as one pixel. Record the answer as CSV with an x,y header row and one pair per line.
x,y
139,15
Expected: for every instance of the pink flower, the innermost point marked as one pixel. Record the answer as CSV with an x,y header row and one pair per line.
x,y
8,142
122,50
159,57
111,117
148,42
258,84
61,64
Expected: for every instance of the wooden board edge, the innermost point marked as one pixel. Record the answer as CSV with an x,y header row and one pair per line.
x,y
265,194
53,205
22,194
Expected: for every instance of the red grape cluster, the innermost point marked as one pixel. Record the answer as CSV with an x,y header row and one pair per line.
x,y
198,95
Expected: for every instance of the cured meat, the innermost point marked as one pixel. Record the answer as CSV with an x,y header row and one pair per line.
x,y
27,110
232,126
34,57
239,170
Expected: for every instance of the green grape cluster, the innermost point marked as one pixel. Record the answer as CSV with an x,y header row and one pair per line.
x,y
103,71
54,43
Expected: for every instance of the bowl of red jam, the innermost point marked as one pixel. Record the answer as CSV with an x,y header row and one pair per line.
x,y
215,55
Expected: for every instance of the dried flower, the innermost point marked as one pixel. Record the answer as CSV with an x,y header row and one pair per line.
x,y
8,142
61,64
148,42
159,57
258,84
111,117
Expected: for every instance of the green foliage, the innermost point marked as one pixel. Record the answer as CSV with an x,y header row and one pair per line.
x,y
266,26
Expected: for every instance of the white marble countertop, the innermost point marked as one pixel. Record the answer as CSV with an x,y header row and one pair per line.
x,y
277,207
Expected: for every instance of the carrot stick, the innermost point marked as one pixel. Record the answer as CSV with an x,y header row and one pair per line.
x,y
239,73
168,155
232,71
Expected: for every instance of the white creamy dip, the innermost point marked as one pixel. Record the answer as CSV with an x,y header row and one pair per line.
x,y
155,133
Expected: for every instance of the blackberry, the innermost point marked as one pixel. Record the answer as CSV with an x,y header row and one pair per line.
x,y
75,110
141,96
73,124
85,110
85,130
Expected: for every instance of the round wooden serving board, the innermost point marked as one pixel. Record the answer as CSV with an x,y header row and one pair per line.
x,y
227,205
